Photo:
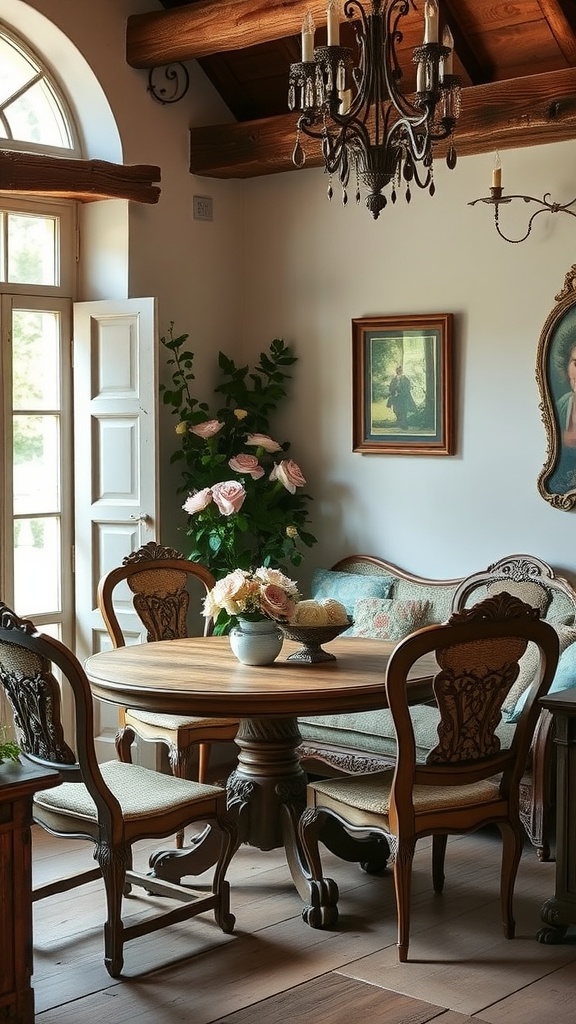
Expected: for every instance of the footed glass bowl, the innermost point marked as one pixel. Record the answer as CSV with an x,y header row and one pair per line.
x,y
312,638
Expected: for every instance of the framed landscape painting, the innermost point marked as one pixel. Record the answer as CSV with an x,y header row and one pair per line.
x,y
402,399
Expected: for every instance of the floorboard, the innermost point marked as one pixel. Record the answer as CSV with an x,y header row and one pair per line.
x,y
275,969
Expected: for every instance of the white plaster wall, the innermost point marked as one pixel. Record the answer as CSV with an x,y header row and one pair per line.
x,y
137,250
279,260
314,265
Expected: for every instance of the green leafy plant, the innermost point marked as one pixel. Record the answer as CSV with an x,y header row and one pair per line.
x,y
245,503
8,751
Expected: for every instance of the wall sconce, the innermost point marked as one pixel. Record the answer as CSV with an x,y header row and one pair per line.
x,y
498,199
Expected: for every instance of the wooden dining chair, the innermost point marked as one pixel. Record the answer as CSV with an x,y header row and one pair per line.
x,y
114,804
466,781
158,577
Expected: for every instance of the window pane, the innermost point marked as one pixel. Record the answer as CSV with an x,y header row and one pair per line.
x,y
32,249
36,464
35,117
36,359
37,566
15,70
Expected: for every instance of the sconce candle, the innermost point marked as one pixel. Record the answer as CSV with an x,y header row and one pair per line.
x,y
308,37
431,21
333,24
497,173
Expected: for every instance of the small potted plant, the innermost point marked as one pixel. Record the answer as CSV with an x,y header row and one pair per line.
x,y
9,751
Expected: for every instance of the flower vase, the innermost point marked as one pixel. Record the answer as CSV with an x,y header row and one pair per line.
x,y
256,643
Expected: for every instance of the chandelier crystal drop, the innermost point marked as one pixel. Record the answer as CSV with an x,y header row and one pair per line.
x,y
350,101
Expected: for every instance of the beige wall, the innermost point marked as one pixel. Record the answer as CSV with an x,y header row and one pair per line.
x,y
314,265
279,260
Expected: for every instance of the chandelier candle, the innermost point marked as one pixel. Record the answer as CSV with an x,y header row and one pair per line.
x,y
350,102
308,38
333,24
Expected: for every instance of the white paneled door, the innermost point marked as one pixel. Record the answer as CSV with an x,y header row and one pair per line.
x,y
116,504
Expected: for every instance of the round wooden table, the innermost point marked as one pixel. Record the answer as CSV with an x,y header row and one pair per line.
x,y
267,790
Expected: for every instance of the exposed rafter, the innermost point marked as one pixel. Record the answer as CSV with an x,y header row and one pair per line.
x,y
85,180
203,28
502,115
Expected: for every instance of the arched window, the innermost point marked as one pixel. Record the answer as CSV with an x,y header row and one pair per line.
x,y
34,115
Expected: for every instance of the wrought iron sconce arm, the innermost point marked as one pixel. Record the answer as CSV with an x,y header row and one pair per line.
x,y
497,199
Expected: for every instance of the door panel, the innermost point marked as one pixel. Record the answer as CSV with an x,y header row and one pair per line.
x,y
115,416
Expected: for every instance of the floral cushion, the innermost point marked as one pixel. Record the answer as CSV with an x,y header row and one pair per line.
x,y
564,677
348,587
386,619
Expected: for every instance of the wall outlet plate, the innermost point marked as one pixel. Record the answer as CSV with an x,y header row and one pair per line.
x,y
203,208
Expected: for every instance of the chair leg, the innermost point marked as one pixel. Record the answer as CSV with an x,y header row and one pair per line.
x,y
180,766
123,742
512,844
438,856
203,759
113,864
402,887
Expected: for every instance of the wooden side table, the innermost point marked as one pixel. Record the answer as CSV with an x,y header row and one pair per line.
x,y
18,783
559,912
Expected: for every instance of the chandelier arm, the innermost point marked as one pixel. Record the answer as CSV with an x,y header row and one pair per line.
x,y
354,106
392,73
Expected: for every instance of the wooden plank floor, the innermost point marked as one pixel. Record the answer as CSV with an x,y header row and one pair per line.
x,y
274,969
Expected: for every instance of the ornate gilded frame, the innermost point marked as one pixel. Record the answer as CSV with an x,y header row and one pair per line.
x,y
557,479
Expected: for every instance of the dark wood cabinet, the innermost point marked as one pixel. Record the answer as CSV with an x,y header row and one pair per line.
x,y
559,912
18,783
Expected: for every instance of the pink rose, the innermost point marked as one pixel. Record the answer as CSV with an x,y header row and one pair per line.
x,y
207,429
263,441
196,502
275,602
289,474
247,464
228,496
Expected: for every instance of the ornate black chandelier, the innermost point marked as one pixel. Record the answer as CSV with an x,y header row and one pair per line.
x,y
352,103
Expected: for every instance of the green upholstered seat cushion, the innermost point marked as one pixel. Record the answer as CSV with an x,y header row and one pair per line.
x,y
387,619
372,732
348,587
141,793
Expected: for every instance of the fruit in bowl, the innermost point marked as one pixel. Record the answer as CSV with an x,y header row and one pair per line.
x,y
315,623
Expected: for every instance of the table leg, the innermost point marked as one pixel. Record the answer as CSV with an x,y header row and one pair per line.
x,y
268,778
266,795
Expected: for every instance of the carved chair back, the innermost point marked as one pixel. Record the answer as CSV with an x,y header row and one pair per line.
x,y
158,578
28,661
477,653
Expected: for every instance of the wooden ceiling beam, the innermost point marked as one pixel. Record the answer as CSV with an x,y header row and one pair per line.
x,y
205,28
561,16
501,115
85,180
462,48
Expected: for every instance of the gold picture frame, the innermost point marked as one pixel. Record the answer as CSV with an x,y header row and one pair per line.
x,y
555,369
402,399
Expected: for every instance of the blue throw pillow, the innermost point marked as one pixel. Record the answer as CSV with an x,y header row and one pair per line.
x,y
348,587
564,679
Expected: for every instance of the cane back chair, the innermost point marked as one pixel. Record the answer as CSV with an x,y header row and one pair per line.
x,y
112,804
467,781
158,577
